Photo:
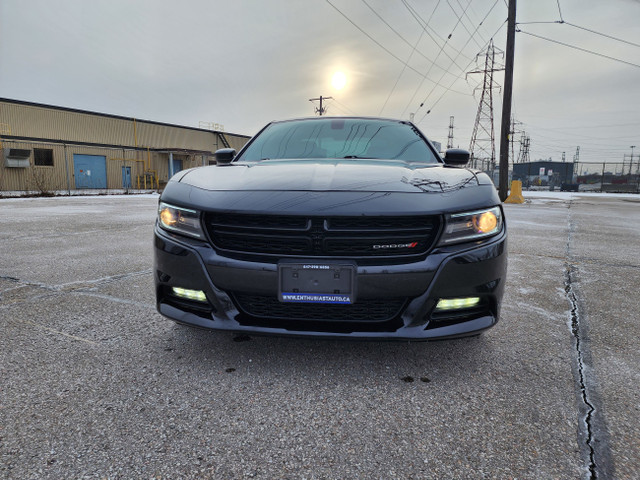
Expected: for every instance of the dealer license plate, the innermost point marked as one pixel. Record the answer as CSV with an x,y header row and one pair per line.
x,y
332,283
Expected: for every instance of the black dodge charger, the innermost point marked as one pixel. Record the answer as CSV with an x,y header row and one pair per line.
x,y
333,227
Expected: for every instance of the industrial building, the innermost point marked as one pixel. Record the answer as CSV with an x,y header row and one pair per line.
x,y
48,149
545,173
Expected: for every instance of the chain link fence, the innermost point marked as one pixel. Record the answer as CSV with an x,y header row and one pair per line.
x,y
622,177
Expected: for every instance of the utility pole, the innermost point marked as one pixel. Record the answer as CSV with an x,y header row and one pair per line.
x,y
506,102
631,162
450,137
320,110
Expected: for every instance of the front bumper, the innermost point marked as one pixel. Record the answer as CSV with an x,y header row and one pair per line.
x,y
475,269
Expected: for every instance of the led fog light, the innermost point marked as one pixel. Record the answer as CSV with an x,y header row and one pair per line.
x,y
197,295
457,303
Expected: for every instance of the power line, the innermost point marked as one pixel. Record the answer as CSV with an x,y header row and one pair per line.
x,y
579,48
413,50
608,125
468,65
342,110
464,14
539,23
465,68
344,107
433,62
560,11
560,134
453,60
393,54
564,22
601,34
404,68
564,133
426,25
484,40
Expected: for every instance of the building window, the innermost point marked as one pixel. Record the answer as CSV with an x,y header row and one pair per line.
x,y
43,157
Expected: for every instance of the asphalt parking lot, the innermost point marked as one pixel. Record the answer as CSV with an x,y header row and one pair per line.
x,y
95,384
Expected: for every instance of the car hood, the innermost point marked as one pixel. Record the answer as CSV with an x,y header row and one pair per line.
x,y
346,176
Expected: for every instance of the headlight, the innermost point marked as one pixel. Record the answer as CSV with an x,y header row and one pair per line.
x,y
463,227
180,220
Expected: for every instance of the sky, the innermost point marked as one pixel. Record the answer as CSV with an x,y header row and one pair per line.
x,y
244,63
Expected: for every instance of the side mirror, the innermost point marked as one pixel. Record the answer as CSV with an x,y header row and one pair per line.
x,y
456,157
224,156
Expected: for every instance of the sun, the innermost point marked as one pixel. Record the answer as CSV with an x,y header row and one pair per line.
x,y
339,80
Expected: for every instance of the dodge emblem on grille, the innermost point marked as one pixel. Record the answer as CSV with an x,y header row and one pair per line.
x,y
395,245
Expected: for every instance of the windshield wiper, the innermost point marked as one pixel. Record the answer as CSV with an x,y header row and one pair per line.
x,y
357,156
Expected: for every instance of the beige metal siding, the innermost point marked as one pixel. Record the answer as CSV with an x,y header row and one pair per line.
x,y
161,136
46,123
234,141
71,126
62,130
35,179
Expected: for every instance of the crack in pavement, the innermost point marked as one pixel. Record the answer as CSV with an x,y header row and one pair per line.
x,y
79,284
43,290
575,260
81,287
586,424
592,430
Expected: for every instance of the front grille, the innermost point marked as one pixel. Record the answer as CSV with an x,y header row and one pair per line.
x,y
374,310
306,236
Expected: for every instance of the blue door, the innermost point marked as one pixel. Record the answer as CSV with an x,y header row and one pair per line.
x,y
90,171
177,165
126,177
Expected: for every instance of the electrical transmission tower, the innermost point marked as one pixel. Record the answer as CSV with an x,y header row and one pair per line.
x,y
512,140
483,144
624,160
525,142
450,137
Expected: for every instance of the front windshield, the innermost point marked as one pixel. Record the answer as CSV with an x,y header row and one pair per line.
x,y
333,138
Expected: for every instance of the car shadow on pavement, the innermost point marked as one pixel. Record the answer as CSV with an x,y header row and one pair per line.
x,y
352,361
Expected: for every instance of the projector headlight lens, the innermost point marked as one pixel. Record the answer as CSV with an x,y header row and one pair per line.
x,y
463,227
180,220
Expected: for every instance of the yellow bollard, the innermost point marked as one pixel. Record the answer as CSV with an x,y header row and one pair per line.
x,y
515,196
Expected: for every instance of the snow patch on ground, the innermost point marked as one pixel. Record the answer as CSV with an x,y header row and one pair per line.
x,y
536,195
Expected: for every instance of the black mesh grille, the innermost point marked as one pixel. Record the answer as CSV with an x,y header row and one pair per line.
x,y
375,310
355,237
377,223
